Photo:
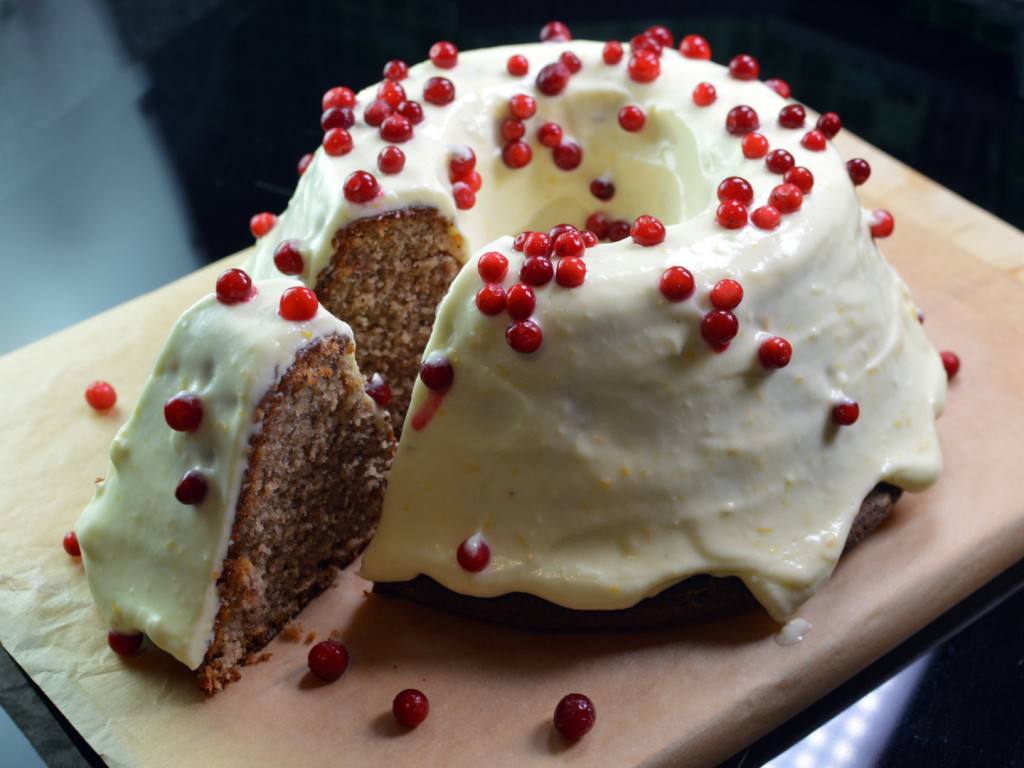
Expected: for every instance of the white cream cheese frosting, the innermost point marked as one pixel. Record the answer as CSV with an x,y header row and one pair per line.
x,y
153,562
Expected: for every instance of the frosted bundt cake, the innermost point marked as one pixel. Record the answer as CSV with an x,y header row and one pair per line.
x,y
250,471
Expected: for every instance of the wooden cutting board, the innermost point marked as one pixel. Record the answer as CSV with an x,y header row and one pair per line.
x,y
687,696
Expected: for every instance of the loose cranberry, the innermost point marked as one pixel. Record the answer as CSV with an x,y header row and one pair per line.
x,y
829,124
234,287
792,116
396,69
328,660
568,155
337,117
192,488
536,270
550,135
647,231
801,177
632,118
814,141
744,67
555,32
704,94
695,47
719,327
676,284
517,154
71,545
410,707
619,230
396,129
741,120
524,336
779,161
661,34
598,223
572,61
463,195
411,111
304,162
950,361
298,304
571,272
589,238
569,244
781,87
490,299
736,188
262,223
731,214
602,189
754,146
859,170
439,91
391,160
644,66
437,373
612,52
337,142
574,716
378,390
288,258
473,554
361,187
882,223
553,78
786,198
444,54
766,217
184,412
727,294
338,97
775,352
512,129
520,301
518,65
100,395
375,113
492,267
522,106
124,645
845,414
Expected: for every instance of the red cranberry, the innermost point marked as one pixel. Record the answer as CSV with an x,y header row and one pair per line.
x,y
612,52
396,69
645,42
517,65
766,217
632,118
661,34
786,198
719,327
602,189
391,160
520,301
598,223
537,244
262,223
524,336
589,238
288,258
647,231
461,160
779,161
574,716
512,129
859,170
522,106
490,299
337,117
184,412
337,142
814,141
361,187
124,645
801,177
437,373
536,270
444,54
520,241
378,390
560,229
775,352
727,294
950,361
619,230
234,287
571,272
736,188
741,120
676,284
744,67
338,97
882,223
731,214
792,116
192,488
695,47
555,32
100,395
410,707
411,111
845,414
829,124
391,92
553,78
439,91
781,87
568,155
572,61
492,267
704,94
568,244
298,304
473,554
754,146
396,129
644,66
471,180
517,154
71,545
463,195
550,135
328,660
304,162
375,113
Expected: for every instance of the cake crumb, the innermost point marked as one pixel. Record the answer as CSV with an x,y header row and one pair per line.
x,y
292,631
310,638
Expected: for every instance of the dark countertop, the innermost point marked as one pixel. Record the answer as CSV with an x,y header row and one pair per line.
x,y
149,132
